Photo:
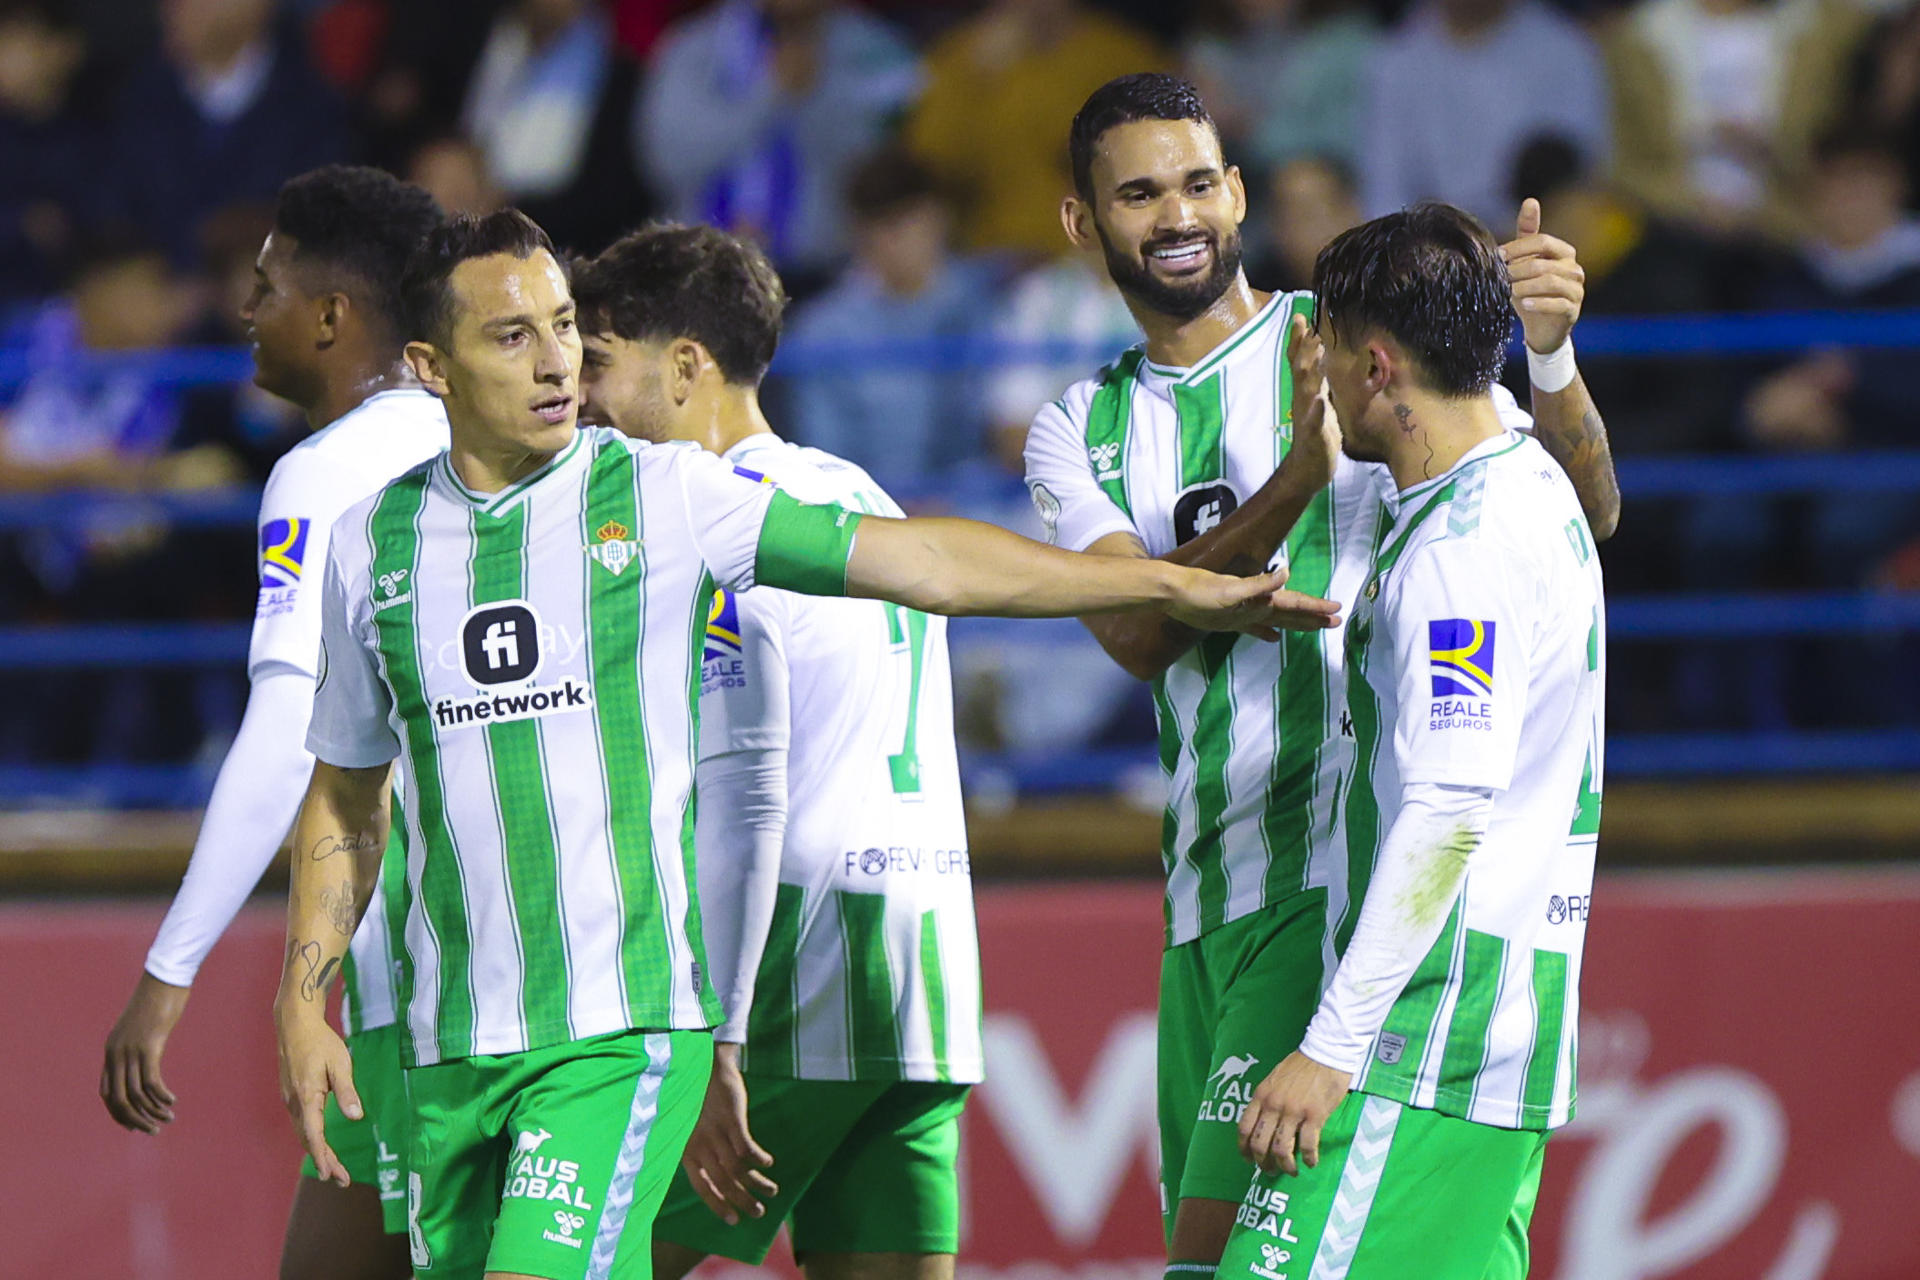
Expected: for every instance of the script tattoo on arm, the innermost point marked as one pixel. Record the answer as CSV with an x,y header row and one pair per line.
x,y
327,846
314,966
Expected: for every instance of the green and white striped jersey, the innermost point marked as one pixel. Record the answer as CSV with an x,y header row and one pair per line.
x,y
532,658
1253,736
1479,645
870,968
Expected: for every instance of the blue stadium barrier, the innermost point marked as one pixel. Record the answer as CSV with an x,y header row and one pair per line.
x,y
178,646
1651,337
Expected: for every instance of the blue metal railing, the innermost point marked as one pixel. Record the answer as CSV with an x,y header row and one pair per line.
x,y
214,646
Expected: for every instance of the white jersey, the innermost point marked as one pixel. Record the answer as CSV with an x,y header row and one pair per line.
x,y
871,969
1480,643
1253,736
532,658
381,437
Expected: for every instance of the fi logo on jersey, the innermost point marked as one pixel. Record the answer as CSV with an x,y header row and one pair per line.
x,y
501,647
1200,510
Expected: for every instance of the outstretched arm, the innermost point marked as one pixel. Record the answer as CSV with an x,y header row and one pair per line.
x,y
961,567
337,843
1549,286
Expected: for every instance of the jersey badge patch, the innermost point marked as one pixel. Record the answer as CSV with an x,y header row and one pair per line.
x,y
612,549
283,551
1462,656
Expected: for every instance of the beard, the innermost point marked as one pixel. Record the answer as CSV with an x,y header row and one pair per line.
x,y
1180,301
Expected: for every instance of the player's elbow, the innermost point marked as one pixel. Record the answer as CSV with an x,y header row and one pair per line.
x,y
1604,520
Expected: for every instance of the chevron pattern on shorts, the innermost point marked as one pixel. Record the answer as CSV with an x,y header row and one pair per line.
x,y
633,1154
1359,1180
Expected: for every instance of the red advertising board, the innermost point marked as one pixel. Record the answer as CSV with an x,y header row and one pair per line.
x,y
1750,1094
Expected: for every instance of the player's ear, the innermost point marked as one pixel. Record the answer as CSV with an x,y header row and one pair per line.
x,y
684,358
1381,366
424,359
1237,187
332,311
1076,215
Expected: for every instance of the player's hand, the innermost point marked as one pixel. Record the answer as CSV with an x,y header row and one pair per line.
x,y
722,1160
1258,606
1316,435
314,1062
1549,284
1288,1110
130,1083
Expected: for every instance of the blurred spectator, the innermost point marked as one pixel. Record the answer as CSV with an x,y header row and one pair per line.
x,y
1284,78
1456,91
419,85
1864,251
1001,91
1884,88
1072,301
546,107
753,113
226,111
453,170
49,151
1310,200
72,425
905,426
1717,102
1637,263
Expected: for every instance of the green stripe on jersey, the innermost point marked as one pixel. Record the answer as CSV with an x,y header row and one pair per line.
x,y
528,848
615,606
1482,970
933,982
1109,418
804,547
1200,410
1299,710
773,1024
695,932
1410,1024
1213,748
873,1034
1550,1016
395,535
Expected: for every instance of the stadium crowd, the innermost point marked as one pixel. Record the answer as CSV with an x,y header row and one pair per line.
x,y
901,162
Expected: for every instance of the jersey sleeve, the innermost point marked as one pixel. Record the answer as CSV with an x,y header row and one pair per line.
x,y
350,727
296,522
1512,416
749,532
1460,624
1075,509
744,702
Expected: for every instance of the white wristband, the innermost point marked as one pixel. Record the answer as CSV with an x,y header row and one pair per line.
x,y
1554,371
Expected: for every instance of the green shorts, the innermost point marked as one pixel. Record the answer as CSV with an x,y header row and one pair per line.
x,y
1398,1192
374,1149
550,1163
863,1167
1233,1003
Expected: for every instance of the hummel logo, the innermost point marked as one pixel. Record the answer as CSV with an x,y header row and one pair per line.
x,y
390,582
1106,460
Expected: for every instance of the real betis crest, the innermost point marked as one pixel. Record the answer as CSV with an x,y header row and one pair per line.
x,y
613,548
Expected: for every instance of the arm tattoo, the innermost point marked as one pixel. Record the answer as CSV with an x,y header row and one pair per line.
x,y
316,973
1585,454
327,846
339,906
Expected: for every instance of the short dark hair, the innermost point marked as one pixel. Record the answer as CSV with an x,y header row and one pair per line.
x,y
1144,95
426,291
887,182
361,222
1430,277
668,281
